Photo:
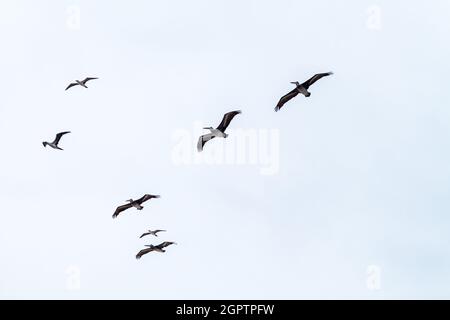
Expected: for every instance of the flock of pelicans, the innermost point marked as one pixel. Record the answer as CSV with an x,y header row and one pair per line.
x,y
218,132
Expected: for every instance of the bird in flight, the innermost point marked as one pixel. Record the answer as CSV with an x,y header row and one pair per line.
x,y
219,131
55,142
301,88
150,232
159,248
80,83
134,203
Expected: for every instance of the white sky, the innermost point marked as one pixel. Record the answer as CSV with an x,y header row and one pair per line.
x,y
363,170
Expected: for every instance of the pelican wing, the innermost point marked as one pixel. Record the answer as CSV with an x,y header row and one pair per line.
x,y
156,231
316,77
88,79
71,85
144,234
122,208
143,251
59,135
204,139
286,98
146,197
227,117
165,244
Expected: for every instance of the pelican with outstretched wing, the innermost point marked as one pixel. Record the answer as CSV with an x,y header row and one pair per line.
x,y
134,203
301,88
159,248
80,83
217,132
55,142
150,232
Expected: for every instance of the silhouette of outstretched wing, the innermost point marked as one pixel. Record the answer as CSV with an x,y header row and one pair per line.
x,y
121,208
165,244
71,85
144,234
227,117
144,251
58,137
286,98
146,197
88,79
316,77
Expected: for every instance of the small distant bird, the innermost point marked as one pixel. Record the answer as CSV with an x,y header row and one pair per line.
x,y
300,88
150,232
80,83
54,144
219,131
159,248
134,203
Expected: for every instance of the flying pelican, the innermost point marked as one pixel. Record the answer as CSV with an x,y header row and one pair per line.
x,y
150,232
55,142
159,248
80,83
219,131
134,203
300,88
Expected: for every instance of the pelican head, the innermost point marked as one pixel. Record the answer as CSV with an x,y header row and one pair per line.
x,y
296,83
149,245
129,200
45,144
208,128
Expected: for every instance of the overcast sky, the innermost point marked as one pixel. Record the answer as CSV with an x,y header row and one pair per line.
x,y
344,194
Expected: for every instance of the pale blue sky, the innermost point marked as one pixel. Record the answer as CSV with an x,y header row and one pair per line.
x,y
363,163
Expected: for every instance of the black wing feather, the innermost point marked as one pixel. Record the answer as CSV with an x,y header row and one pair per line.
x,y
316,77
58,136
165,244
121,208
146,197
143,251
88,79
286,98
71,85
227,119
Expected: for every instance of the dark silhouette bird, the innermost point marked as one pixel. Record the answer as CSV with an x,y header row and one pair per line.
x,y
134,203
80,83
150,232
55,142
219,131
301,88
159,248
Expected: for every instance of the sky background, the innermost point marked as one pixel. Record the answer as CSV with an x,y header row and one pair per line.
x,y
357,208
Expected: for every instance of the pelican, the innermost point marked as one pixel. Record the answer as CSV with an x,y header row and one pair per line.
x,y
80,83
150,232
300,88
159,248
134,203
55,142
219,131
